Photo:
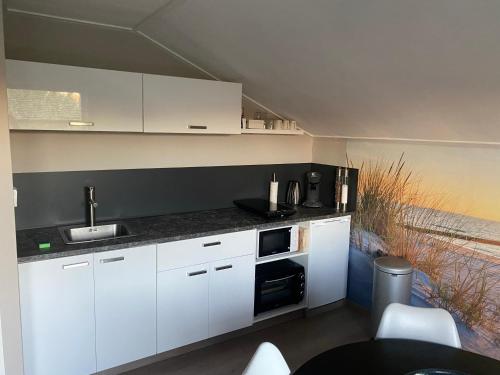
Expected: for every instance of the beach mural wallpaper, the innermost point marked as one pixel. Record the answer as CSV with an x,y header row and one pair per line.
x,y
438,206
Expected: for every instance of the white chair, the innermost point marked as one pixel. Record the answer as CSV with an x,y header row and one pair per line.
x,y
267,360
418,323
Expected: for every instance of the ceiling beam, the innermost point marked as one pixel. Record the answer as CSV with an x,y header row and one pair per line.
x,y
154,13
68,19
415,140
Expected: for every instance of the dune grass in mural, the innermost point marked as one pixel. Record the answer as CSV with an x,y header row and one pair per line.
x,y
396,217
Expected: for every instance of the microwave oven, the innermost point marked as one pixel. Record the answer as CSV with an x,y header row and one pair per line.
x,y
277,240
279,283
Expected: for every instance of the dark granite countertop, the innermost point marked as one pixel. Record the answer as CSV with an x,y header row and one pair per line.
x,y
159,229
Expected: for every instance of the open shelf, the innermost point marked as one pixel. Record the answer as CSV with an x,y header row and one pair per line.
x,y
273,131
280,256
279,311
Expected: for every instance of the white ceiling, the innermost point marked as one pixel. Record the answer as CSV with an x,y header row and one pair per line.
x,y
416,69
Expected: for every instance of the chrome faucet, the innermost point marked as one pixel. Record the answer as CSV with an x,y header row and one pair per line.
x,y
92,204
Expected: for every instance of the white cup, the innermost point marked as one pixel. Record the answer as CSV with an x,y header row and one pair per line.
x,y
278,124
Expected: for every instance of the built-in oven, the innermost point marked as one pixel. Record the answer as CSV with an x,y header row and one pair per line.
x,y
279,283
278,240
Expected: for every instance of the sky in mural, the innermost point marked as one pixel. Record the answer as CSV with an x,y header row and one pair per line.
x,y
469,175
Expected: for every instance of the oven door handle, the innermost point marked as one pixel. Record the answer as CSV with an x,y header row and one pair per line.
x,y
280,279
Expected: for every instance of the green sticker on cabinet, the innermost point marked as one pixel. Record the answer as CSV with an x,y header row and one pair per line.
x,y
44,246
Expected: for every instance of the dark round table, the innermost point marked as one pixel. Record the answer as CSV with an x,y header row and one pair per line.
x,y
390,356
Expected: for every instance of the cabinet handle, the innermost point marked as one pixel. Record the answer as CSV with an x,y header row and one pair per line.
x,y
75,265
199,127
224,267
196,273
81,123
110,260
321,223
217,243
280,279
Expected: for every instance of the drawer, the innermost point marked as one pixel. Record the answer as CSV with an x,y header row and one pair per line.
x,y
206,249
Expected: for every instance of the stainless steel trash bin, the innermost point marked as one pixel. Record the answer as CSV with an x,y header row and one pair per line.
x,y
392,279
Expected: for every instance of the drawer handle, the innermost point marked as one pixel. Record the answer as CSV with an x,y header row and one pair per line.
x,y
81,123
217,243
196,273
110,260
224,267
199,127
75,265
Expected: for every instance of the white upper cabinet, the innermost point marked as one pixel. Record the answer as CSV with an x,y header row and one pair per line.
x,y
59,97
183,105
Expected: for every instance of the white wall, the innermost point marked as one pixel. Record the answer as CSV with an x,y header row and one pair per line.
x,y
2,365
329,151
9,289
51,151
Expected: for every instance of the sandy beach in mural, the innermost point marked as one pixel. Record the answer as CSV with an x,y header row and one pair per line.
x,y
481,242
483,339
478,239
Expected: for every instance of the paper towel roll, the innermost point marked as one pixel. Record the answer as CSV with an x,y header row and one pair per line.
x,y
344,194
273,192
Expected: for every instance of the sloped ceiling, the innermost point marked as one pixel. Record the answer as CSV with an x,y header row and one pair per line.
x,y
122,13
50,40
416,69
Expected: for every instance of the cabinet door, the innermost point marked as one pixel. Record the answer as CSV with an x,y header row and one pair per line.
x,y
182,306
232,284
57,314
125,305
328,258
184,105
58,97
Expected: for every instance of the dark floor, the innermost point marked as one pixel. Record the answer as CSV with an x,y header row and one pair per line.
x,y
298,340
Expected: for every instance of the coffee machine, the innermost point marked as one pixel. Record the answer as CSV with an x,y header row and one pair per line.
x,y
312,191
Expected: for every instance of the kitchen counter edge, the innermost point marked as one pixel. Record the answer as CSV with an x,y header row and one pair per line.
x,y
29,238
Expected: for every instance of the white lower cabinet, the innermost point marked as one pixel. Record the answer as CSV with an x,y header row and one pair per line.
x,y
92,312
328,261
57,314
231,294
125,305
182,306
205,300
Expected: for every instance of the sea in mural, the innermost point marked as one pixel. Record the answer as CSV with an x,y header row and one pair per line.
x,y
456,256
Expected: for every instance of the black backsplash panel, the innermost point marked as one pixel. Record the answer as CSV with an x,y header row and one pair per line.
x,y
327,188
57,198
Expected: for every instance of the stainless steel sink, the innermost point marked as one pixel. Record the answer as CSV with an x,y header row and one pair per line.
x,y
78,234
